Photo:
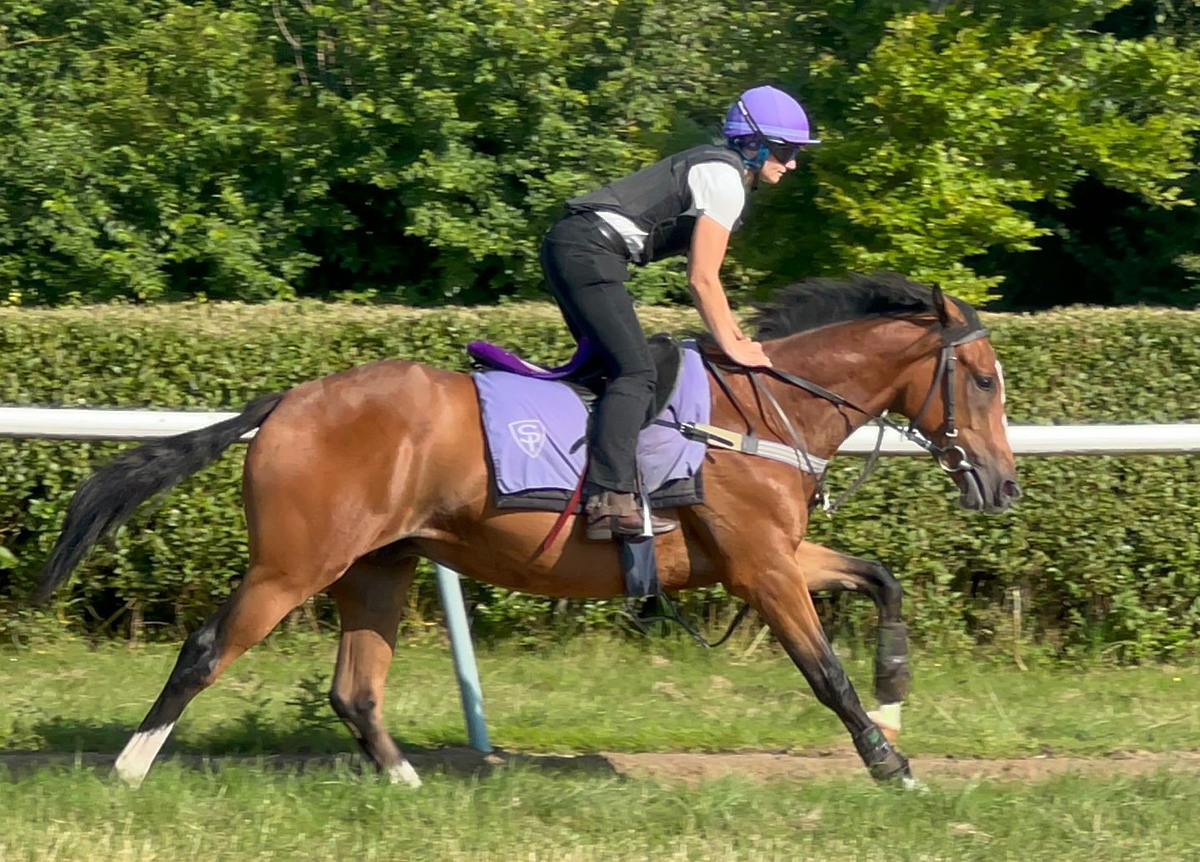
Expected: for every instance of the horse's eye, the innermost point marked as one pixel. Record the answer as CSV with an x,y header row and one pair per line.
x,y
986,383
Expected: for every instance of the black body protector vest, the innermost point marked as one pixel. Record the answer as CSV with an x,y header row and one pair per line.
x,y
656,198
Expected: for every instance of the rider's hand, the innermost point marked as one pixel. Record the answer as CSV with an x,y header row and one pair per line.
x,y
746,352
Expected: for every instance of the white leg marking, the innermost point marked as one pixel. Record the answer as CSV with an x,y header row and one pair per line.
x,y
403,773
138,754
888,715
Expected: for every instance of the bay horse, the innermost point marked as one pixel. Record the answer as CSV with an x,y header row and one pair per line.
x,y
353,477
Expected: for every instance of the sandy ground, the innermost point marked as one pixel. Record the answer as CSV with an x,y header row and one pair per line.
x,y
670,766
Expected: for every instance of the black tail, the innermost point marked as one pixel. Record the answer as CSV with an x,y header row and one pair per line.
x,y
108,497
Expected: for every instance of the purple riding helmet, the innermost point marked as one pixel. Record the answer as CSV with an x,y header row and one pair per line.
x,y
772,119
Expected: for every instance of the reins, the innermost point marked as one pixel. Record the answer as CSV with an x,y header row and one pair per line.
x,y
952,458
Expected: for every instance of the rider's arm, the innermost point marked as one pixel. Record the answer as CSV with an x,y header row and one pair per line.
x,y
709,241
719,196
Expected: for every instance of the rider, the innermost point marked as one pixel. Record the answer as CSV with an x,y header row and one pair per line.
x,y
687,203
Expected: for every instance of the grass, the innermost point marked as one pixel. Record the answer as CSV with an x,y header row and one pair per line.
x,y
244,813
591,694
585,695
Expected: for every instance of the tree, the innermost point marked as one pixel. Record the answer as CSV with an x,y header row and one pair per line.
x,y
268,148
955,124
150,156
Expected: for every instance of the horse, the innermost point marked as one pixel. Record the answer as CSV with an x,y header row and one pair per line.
x,y
351,478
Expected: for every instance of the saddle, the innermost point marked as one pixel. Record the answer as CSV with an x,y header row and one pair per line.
x,y
584,372
535,425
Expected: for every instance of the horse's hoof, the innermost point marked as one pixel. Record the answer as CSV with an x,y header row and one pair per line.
x,y
893,771
403,773
132,780
914,784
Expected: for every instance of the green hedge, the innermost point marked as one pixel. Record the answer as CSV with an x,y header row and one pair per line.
x,y
1104,549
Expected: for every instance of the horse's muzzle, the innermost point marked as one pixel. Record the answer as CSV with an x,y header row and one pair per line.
x,y
986,490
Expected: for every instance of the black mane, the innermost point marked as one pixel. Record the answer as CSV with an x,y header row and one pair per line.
x,y
824,301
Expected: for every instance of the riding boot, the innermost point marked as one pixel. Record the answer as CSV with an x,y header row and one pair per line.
x,y
613,513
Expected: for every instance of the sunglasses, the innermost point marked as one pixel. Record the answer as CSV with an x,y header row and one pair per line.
x,y
782,150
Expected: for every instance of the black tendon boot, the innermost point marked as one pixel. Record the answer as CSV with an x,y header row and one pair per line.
x,y
884,762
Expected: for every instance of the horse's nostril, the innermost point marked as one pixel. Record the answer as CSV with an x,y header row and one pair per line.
x,y
1012,490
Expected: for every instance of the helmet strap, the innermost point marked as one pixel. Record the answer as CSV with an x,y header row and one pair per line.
x,y
760,158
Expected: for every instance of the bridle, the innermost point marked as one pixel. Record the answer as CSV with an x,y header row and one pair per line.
x,y
951,457
947,362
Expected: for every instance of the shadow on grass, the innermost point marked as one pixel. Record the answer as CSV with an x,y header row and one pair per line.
x,y
63,735
71,743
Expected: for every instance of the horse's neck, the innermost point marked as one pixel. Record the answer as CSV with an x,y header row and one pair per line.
x,y
864,362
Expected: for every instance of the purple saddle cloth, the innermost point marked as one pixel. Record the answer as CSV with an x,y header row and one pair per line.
x,y
536,437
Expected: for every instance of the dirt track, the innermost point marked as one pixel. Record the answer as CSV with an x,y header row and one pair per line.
x,y
675,766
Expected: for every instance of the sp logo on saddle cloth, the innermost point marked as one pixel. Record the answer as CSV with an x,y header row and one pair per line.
x,y
530,435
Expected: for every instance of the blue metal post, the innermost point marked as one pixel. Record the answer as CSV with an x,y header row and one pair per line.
x,y
450,592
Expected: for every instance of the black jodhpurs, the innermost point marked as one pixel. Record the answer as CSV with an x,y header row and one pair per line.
x,y
586,273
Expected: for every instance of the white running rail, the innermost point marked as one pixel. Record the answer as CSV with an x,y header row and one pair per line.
x,y
100,424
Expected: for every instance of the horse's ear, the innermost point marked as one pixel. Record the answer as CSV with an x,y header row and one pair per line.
x,y
939,305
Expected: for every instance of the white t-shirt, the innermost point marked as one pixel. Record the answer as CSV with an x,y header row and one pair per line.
x,y
717,192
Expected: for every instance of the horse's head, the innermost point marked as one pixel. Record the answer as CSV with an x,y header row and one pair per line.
x,y
955,398
854,342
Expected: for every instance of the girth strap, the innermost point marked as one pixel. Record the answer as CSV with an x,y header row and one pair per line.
x,y
748,444
798,447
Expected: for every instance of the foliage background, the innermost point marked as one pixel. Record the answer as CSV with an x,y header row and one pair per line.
x,y
1103,549
1031,153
